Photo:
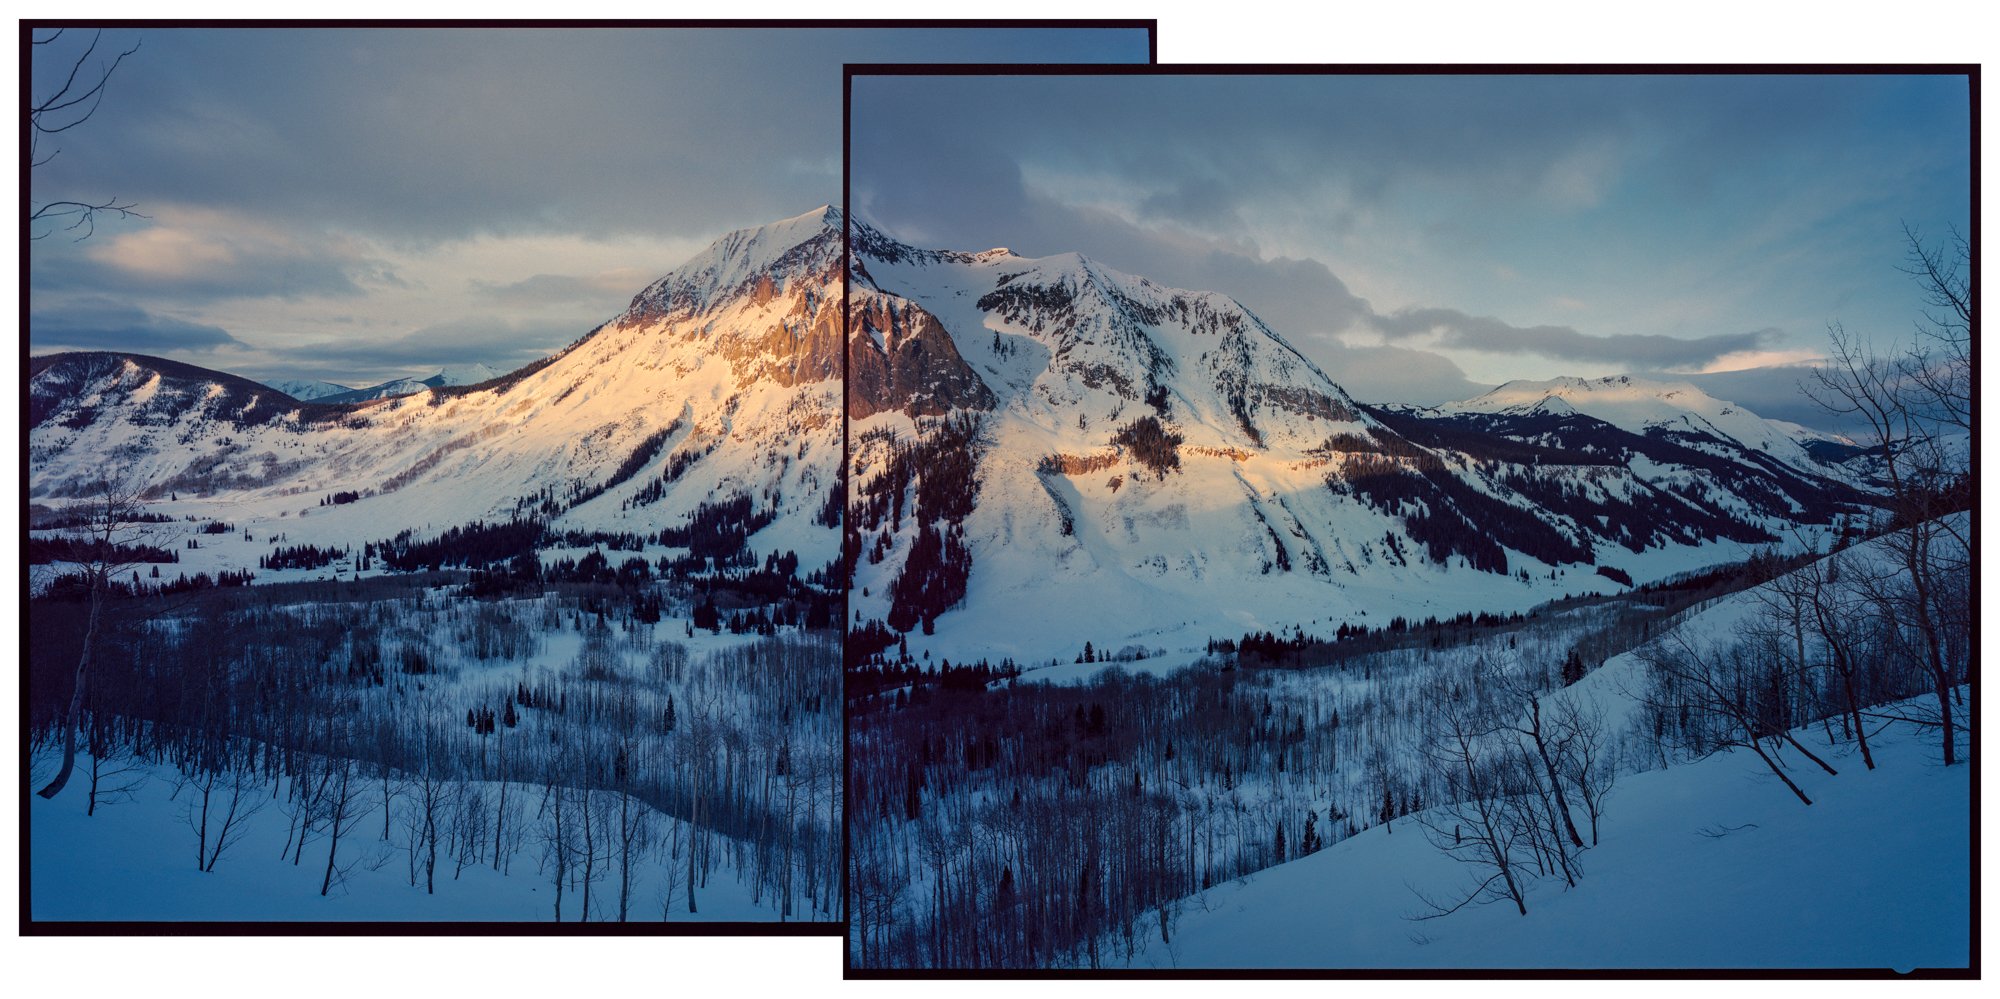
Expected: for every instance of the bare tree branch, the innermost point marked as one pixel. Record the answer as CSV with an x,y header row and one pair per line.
x,y
73,103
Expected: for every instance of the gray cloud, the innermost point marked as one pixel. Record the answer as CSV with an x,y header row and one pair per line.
x,y
546,289
499,344
985,192
192,256
1396,374
443,133
1773,392
1485,333
280,170
108,325
1667,206
1203,203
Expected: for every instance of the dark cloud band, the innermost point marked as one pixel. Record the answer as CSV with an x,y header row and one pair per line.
x,y
1455,329
112,326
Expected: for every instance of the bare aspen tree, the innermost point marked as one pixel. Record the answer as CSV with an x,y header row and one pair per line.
x,y
671,843
345,805
1589,766
432,788
116,773
1717,682
222,803
1473,825
102,544
1907,404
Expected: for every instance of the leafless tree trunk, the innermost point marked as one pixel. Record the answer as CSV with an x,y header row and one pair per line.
x,y
228,820
343,809
1713,681
1905,403
109,523
1589,767
1481,834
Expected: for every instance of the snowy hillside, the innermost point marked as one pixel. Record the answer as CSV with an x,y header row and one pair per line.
x,y
557,644
1702,865
1699,776
1734,871
1154,465
523,759
132,861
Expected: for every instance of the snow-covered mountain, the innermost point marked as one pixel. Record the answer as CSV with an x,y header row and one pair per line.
x,y
720,382
308,389
1150,465
470,374
1675,411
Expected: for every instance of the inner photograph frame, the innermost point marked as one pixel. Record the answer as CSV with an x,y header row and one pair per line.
x,y
1028,340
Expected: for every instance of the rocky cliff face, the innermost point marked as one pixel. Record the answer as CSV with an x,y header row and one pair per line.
x,y
901,359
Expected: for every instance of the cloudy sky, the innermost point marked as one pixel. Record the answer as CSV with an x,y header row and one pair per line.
x,y
1426,237
356,205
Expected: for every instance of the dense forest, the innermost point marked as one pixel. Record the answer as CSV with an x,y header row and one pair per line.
x,y
931,482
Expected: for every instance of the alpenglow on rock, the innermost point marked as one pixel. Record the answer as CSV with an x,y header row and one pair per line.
x,y
722,379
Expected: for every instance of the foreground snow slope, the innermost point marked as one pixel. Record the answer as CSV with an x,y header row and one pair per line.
x,y
135,861
1703,864
1711,864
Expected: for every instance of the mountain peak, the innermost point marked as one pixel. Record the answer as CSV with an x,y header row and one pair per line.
x,y
1607,387
756,260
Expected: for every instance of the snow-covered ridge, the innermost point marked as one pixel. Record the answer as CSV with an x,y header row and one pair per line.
x,y
1642,406
1110,340
468,374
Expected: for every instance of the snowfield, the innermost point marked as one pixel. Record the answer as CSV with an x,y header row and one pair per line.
x,y
134,861
1711,864
1295,811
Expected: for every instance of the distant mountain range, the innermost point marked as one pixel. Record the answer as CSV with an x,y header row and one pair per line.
x,y
318,391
